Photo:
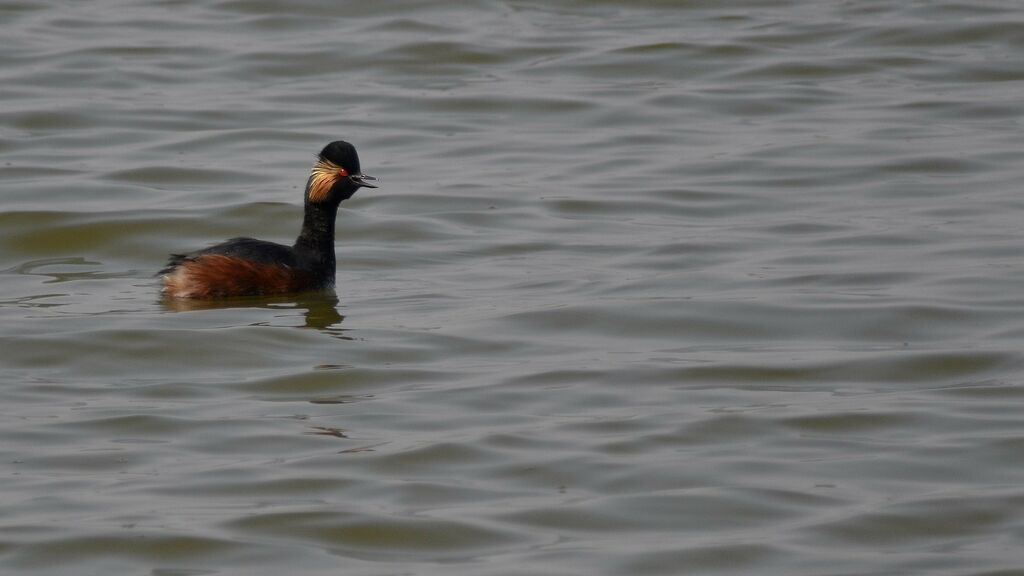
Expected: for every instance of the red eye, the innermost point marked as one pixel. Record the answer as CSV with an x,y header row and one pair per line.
x,y
342,172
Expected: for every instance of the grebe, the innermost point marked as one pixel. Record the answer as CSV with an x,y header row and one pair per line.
x,y
245,266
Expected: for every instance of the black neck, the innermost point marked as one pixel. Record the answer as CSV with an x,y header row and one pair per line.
x,y
315,243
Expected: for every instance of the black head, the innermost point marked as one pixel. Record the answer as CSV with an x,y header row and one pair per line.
x,y
336,174
341,153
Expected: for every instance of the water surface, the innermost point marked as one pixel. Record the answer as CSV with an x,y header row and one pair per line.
x,y
649,288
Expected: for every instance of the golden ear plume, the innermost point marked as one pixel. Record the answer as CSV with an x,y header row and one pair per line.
x,y
325,173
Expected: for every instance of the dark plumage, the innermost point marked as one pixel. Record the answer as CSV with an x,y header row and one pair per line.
x,y
246,266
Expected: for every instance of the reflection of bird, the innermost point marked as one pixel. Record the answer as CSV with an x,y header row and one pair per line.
x,y
319,309
245,266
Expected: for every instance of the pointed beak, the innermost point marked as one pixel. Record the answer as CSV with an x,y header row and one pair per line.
x,y
364,180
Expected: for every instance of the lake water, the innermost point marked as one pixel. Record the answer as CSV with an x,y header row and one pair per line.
x,y
649,288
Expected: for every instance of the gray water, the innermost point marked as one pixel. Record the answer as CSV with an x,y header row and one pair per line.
x,y
649,288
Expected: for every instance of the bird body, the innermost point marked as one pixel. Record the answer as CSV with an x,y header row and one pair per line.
x,y
248,267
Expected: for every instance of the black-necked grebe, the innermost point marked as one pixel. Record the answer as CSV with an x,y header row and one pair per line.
x,y
245,266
